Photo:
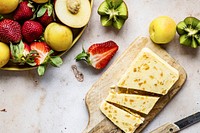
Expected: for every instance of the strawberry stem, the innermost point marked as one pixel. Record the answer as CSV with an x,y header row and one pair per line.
x,y
83,56
1,17
18,56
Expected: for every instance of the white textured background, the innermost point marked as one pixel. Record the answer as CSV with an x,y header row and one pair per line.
x,y
55,102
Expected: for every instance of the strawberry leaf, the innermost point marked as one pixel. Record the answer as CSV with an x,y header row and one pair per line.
x,y
30,58
1,17
31,63
50,9
83,56
17,52
56,61
41,69
41,11
30,4
50,53
19,55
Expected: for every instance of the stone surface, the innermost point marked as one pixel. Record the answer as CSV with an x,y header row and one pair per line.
x,y
55,103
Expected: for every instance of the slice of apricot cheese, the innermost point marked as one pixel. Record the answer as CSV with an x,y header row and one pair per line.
x,y
139,103
128,122
148,72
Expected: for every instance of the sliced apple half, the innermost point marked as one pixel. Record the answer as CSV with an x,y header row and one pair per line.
x,y
73,13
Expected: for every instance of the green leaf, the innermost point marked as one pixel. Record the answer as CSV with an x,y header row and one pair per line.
x,y
11,49
50,9
30,4
81,56
33,52
50,53
56,61
31,63
21,47
30,59
41,69
1,17
17,52
41,11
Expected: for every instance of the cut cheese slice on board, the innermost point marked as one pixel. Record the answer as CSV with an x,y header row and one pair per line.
x,y
140,103
148,72
124,120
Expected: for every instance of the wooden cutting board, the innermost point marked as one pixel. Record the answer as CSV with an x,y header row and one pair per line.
x,y
98,123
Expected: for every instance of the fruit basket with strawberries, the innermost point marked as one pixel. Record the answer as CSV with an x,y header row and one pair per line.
x,y
35,33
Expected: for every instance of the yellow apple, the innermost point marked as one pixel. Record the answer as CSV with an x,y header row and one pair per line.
x,y
8,6
58,37
5,54
162,30
40,1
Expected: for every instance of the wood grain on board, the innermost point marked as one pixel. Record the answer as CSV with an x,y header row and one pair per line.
x,y
98,123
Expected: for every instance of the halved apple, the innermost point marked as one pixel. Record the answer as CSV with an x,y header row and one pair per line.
x,y
73,13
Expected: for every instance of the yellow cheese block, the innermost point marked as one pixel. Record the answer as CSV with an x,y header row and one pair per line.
x,y
140,103
148,72
124,120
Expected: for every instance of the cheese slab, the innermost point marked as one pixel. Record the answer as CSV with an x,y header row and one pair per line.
x,y
124,120
140,103
148,72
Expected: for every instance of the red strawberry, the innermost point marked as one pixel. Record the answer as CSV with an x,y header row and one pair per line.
x,y
27,49
42,49
54,2
45,19
24,11
10,31
45,14
21,54
98,55
44,57
31,30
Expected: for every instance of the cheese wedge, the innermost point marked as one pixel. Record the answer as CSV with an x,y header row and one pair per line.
x,y
140,103
148,72
124,120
